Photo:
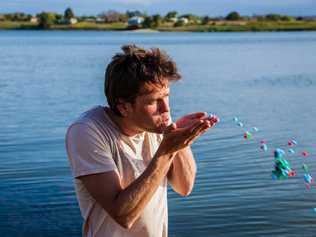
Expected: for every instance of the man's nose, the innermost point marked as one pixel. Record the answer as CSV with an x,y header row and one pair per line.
x,y
164,106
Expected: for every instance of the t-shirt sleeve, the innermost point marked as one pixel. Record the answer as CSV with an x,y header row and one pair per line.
x,y
88,152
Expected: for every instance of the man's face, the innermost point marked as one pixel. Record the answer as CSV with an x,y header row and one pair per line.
x,y
151,111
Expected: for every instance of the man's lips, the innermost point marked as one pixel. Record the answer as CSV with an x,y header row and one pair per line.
x,y
165,121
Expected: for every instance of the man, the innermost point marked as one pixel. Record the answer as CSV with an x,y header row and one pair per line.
x,y
123,156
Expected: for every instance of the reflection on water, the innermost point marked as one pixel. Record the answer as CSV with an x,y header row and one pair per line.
x,y
266,79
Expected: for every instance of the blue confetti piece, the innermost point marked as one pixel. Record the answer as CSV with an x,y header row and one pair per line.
x,y
264,147
291,151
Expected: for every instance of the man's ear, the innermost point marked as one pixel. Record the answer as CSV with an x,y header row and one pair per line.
x,y
124,107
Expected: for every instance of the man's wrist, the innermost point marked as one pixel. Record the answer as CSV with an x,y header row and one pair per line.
x,y
164,155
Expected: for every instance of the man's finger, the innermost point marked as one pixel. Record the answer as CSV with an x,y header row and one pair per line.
x,y
200,126
195,125
203,131
196,115
196,133
199,130
213,119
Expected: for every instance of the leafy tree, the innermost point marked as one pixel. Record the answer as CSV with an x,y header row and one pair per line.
x,y
84,18
156,20
273,17
179,23
17,16
205,20
260,18
113,16
287,18
151,21
46,20
192,18
134,13
69,14
233,16
148,22
58,18
171,14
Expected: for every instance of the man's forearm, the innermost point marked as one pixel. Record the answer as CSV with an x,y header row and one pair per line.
x,y
131,201
182,172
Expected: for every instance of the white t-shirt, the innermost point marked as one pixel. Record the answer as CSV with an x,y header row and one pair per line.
x,y
95,145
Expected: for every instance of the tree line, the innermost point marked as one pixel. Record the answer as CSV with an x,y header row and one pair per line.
x,y
47,19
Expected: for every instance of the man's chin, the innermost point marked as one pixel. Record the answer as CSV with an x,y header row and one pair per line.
x,y
162,128
159,129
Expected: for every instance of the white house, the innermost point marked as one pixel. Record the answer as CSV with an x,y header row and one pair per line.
x,y
183,20
34,19
173,19
73,21
90,20
135,21
70,21
100,20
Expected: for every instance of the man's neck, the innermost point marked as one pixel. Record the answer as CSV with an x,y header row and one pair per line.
x,y
122,124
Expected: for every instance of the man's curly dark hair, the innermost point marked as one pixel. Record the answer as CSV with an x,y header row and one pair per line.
x,y
132,69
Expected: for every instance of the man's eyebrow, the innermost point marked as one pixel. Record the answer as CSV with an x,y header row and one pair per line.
x,y
155,94
163,95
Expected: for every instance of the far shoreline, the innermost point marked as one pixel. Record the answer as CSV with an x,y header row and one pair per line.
x,y
297,26
158,31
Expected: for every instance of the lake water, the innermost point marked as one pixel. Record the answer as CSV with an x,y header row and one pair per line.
x,y
268,80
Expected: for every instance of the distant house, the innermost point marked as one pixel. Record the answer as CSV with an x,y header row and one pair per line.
x,y
72,21
100,20
34,20
173,19
90,20
135,21
183,20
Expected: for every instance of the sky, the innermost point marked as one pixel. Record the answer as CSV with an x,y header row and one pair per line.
x,y
197,7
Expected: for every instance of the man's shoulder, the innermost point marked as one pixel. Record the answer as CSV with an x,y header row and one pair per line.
x,y
94,119
94,127
90,117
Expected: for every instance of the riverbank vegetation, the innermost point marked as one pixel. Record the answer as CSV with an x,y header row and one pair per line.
x,y
172,21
